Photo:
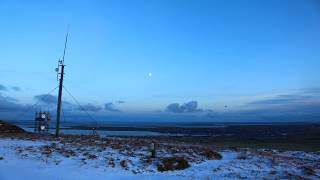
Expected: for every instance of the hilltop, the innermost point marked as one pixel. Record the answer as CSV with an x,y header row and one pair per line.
x,y
95,157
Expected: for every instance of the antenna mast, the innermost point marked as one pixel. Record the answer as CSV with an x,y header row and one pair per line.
x,y
60,71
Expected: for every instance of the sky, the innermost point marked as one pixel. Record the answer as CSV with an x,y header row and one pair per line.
x,y
170,59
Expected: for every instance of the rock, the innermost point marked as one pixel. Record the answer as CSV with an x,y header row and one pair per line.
x,y
212,155
309,170
242,156
124,164
173,163
90,156
111,163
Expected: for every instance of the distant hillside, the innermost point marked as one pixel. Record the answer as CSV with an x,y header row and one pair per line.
x,y
9,128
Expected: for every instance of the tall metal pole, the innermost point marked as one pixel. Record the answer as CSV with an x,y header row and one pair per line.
x,y
59,100
61,64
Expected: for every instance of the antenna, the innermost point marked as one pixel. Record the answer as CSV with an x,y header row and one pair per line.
x,y
65,45
60,71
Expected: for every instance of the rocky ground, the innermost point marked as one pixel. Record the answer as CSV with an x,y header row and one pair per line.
x,y
25,155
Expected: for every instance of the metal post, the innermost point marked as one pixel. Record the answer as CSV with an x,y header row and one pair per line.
x,y
61,64
59,100
153,150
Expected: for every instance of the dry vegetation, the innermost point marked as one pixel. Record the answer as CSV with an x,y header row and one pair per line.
x,y
170,154
134,154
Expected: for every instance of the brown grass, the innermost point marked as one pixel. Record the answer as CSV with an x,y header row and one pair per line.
x,y
212,155
173,163
123,163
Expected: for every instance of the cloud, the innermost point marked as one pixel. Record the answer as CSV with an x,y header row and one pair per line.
x,y
314,91
8,104
53,100
16,88
2,88
47,98
188,107
283,99
305,98
110,107
174,107
303,105
89,107
120,102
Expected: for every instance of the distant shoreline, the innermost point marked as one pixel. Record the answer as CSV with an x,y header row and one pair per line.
x,y
290,136
148,124
304,137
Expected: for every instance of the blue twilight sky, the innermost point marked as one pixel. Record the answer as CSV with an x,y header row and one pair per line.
x,y
205,56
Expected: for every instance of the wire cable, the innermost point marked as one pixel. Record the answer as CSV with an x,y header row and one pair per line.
x,y
83,109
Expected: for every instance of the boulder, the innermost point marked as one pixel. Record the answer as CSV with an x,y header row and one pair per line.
x,y
173,163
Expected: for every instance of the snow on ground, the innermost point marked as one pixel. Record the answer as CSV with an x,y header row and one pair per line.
x,y
64,159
